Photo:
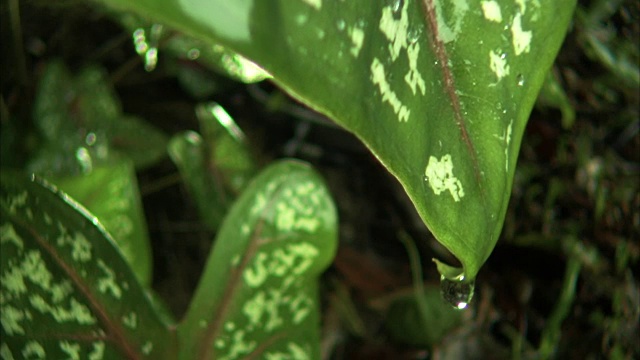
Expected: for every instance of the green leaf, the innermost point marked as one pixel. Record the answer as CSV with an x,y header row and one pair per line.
x,y
440,91
81,121
217,58
66,290
258,296
410,324
85,137
217,165
553,95
148,38
138,140
110,192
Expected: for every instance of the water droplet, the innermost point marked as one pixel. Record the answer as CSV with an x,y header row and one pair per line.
x,y
147,46
140,41
151,59
193,54
520,80
301,19
413,36
435,62
84,159
458,293
503,56
90,139
340,24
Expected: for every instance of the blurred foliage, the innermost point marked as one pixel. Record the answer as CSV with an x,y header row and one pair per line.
x,y
258,294
217,165
89,149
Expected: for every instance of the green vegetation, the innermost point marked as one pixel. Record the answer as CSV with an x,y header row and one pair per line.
x,y
159,199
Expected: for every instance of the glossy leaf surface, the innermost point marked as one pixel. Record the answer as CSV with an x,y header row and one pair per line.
x,y
90,149
110,192
440,91
258,296
66,291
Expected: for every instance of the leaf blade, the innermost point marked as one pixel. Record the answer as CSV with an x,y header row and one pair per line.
x,y
66,289
271,248
497,53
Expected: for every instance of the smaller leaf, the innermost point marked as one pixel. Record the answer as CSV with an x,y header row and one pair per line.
x,y
111,193
215,166
196,80
66,290
553,95
258,296
139,141
409,324
81,121
82,115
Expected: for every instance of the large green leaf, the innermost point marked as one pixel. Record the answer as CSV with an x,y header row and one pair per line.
x,y
440,91
67,292
258,296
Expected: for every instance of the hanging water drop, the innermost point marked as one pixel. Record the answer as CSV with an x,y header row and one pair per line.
x,y
458,293
503,56
520,80
340,24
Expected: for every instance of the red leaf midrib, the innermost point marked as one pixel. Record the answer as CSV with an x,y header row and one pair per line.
x,y
442,57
